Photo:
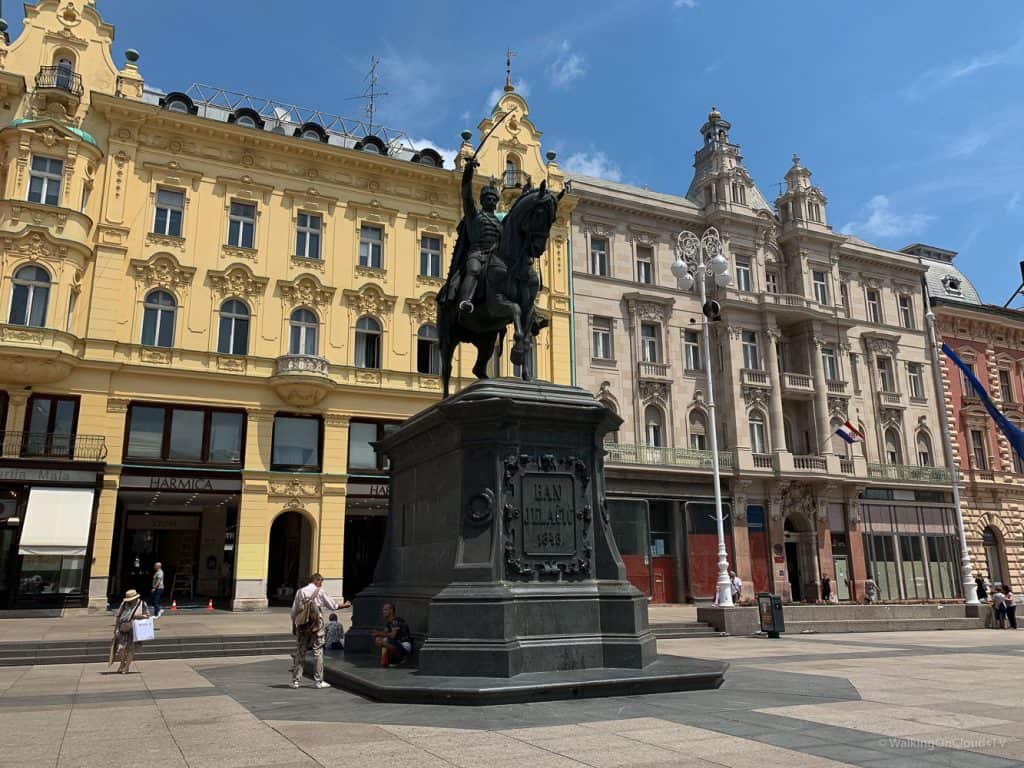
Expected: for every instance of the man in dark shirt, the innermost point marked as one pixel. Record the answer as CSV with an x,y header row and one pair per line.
x,y
395,635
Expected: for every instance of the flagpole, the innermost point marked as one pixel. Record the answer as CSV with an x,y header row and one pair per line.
x,y
966,570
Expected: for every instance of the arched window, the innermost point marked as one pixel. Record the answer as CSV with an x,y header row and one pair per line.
x,y
65,72
234,328
30,297
893,452
246,121
654,425
302,338
758,433
158,319
839,446
367,343
924,450
698,430
511,172
428,353
993,557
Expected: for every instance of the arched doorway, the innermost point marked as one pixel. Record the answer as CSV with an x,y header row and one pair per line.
x,y
801,560
288,563
992,542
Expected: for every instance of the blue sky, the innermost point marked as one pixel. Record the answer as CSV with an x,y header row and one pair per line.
x,y
910,113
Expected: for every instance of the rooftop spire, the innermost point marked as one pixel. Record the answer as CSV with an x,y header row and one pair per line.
x,y
509,53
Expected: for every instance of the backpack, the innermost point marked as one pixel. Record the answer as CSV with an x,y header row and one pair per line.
x,y
307,617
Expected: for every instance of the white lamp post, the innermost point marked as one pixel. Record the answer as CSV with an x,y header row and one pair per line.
x,y
691,267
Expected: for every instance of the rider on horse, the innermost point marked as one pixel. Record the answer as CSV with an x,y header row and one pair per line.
x,y
483,232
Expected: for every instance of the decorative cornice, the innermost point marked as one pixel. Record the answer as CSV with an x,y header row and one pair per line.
x,y
370,300
163,270
237,280
305,289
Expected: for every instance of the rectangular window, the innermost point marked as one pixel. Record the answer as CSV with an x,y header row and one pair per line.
x,y
844,295
361,453
430,256
739,194
772,281
758,437
1005,386
602,338
906,312
599,256
820,280
886,380
242,225
644,264
915,376
307,235
296,444
44,180
829,363
751,356
854,376
180,435
170,208
874,306
814,210
966,385
978,453
50,424
371,247
744,279
650,343
691,351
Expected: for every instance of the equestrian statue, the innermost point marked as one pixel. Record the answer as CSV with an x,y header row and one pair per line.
x,y
492,280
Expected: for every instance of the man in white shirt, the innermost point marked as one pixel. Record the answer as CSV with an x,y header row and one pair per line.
x,y
737,587
157,590
308,627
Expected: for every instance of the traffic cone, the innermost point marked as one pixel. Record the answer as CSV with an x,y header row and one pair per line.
x,y
174,604
209,605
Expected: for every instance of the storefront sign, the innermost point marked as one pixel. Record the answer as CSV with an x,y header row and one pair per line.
x,y
379,490
19,475
180,483
163,522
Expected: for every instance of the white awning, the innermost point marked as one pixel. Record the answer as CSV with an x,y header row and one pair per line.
x,y
57,522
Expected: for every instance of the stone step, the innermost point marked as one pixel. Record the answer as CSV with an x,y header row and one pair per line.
x,y
881,625
870,612
892,617
80,652
680,630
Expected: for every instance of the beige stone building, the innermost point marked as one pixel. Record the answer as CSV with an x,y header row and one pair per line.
x,y
817,329
212,305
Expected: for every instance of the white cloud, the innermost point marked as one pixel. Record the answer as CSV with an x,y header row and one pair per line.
x,y
684,3
881,221
447,154
413,85
567,66
522,88
968,143
593,164
938,78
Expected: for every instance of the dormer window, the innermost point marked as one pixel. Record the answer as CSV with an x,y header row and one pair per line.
x,y
179,102
952,285
311,132
247,118
177,106
371,148
814,210
739,194
373,145
246,122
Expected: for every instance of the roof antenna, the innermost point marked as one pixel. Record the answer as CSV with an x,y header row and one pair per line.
x,y
509,53
369,94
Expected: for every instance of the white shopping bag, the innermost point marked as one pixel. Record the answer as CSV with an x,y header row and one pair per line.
x,y
142,629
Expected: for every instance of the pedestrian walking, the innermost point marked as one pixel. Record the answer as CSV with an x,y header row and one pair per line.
x,y
308,628
157,590
122,646
870,590
999,608
737,587
826,588
1010,603
979,581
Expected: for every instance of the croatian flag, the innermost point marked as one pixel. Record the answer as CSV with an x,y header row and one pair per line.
x,y
849,433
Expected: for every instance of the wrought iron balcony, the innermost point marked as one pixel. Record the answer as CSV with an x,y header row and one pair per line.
x,y
514,179
60,78
50,445
907,473
621,453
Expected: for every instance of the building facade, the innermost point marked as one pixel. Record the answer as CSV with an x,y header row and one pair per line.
x,y
991,340
816,329
213,305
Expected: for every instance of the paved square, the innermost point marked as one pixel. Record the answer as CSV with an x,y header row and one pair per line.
x,y
887,699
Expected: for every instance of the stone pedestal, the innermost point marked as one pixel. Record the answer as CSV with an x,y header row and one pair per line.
x,y
499,552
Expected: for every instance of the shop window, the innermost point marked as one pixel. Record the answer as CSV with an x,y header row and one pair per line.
x,y
30,297
303,327
943,566
430,256
44,180
428,353
184,435
50,575
915,584
368,335
158,313
362,455
234,328
660,516
296,444
307,235
170,208
880,551
371,247
242,225
50,424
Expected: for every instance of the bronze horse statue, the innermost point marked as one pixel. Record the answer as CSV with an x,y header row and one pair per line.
x,y
506,291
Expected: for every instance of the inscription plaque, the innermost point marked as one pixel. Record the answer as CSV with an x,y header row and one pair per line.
x,y
549,516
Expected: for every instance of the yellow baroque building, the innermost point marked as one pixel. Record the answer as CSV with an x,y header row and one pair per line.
x,y
213,306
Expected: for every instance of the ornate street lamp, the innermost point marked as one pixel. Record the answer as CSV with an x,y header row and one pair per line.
x,y
699,259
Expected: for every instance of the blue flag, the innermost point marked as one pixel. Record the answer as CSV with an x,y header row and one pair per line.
x,y
1013,433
